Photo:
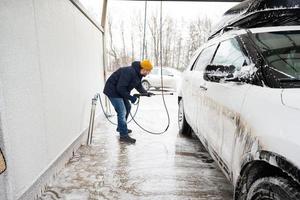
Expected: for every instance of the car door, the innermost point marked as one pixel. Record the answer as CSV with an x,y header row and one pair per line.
x,y
154,77
198,88
223,102
168,78
186,91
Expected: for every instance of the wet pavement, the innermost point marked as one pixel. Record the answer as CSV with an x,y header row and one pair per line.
x,y
156,167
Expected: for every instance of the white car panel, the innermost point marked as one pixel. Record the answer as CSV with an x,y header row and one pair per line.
x,y
188,92
291,98
267,120
226,101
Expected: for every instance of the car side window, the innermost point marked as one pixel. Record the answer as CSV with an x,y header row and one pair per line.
x,y
229,53
154,71
166,73
204,58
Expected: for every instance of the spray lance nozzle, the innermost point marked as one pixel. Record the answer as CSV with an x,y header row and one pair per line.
x,y
149,94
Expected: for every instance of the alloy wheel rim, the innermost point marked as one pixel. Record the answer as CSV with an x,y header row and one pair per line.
x,y
145,85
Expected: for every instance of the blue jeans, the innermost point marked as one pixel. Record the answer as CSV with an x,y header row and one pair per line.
x,y
122,107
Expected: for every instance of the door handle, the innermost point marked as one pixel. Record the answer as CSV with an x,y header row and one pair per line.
x,y
203,87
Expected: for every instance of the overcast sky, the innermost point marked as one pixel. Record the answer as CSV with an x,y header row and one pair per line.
x,y
178,10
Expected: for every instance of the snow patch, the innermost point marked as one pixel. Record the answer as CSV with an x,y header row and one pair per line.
x,y
218,73
279,8
245,72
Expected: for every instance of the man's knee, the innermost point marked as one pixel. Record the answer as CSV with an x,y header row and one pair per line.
x,y
121,114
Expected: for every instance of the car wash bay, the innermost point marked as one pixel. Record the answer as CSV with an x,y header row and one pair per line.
x,y
166,166
55,61
156,167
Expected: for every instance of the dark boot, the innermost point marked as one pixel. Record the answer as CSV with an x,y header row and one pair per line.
x,y
128,130
127,139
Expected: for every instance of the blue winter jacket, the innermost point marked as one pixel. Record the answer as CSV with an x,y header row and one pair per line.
x,y
122,81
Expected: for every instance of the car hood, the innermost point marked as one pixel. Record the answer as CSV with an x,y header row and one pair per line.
x,y
291,98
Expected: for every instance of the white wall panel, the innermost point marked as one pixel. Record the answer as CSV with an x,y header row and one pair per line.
x,y
50,67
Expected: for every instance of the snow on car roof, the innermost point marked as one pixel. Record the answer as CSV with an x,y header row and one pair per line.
x,y
256,13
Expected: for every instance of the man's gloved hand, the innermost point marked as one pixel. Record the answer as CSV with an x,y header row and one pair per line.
x,y
133,99
137,95
149,94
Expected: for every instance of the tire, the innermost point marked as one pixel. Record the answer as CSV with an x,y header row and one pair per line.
x,y
184,127
146,85
273,188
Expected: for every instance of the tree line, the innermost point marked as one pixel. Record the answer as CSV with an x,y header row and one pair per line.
x,y
179,40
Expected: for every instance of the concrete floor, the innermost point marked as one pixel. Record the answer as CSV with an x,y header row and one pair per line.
x,y
156,167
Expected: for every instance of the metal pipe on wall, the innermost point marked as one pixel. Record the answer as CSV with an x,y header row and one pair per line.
x,y
92,120
103,25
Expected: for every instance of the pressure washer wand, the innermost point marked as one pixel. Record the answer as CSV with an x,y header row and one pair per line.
x,y
151,94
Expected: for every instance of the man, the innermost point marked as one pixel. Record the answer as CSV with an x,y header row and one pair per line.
x,y
118,87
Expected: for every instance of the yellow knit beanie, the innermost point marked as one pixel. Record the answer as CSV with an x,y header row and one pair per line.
x,y
146,64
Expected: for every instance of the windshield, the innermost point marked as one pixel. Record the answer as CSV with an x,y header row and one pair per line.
x,y
282,52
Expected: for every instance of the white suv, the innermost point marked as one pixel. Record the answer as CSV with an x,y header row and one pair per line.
x,y
241,96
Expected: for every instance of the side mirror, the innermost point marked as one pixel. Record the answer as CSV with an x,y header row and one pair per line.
x,y
216,73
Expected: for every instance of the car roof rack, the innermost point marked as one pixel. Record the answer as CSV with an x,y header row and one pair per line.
x,y
225,29
249,14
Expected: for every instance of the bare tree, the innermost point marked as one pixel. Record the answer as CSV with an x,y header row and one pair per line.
x,y
138,29
177,47
193,41
132,46
124,52
178,52
112,51
203,29
153,25
198,34
168,40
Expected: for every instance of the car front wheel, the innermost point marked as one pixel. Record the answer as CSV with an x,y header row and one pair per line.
x,y
184,127
273,188
146,85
